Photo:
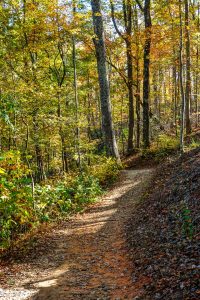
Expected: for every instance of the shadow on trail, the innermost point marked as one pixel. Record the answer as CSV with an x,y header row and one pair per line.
x,y
94,263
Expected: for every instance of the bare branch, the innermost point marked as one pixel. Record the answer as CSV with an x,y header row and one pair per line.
x,y
113,19
118,71
123,76
140,5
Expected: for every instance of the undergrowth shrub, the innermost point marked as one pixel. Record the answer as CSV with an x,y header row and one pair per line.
x,y
193,144
22,209
16,203
105,170
162,147
66,196
86,189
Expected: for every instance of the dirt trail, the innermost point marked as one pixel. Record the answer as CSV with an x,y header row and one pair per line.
x,y
89,259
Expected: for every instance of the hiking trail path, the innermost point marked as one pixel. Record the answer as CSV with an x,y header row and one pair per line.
x,y
87,256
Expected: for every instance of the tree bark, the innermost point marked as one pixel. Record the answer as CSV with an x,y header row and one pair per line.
x,y
181,79
40,172
175,96
127,37
146,89
99,42
128,24
137,67
138,106
77,142
188,76
197,71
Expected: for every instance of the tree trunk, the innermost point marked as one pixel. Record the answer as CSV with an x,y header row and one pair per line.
x,y
127,8
65,166
197,73
155,93
188,76
127,37
137,64
174,94
40,173
138,105
130,96
77,140
181,80
197,88
146,90
107,124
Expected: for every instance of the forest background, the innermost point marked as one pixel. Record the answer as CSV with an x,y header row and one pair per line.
x,y
54,154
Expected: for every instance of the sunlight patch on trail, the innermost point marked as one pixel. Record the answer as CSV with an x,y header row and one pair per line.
x,y
91,248
13,294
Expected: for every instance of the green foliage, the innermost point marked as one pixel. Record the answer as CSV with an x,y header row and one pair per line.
x,y
86,188
16,203
105,169
193,144
21,209
65,197
187,225
164,146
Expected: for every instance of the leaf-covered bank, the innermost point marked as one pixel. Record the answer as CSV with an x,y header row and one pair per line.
x,y
164,239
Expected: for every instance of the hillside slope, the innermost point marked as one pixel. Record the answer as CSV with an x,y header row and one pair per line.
x,y
163,232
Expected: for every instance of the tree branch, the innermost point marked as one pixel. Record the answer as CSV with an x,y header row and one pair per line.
x,y
140,5
113,19
123,76
118,71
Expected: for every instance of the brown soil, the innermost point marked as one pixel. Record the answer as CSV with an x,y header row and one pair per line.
x,y
85,258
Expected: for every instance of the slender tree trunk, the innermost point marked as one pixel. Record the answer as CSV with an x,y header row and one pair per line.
x,y
138,104
65,166
89,115
76,94
174,100
122,127
137,64
130,96
127,37
107,124
174,76
64,155
160,78
127,9
155,93
27,135
146,89
181,79
197,74
188,76
76,103
197,88
40,173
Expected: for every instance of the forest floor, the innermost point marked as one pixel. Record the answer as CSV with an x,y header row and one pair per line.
x,y
139,242
164,232
84,258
